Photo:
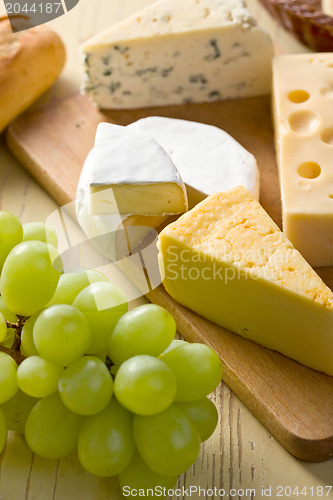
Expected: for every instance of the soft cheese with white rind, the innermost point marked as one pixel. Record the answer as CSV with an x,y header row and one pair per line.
x,y
208,159
176,52
102,229
133,175
302,105
229,262
111,234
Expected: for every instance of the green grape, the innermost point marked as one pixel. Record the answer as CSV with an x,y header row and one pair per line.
x,y
86,386
71,284
28,347
147,329
3,431
8,382
51,429
145,385
61,334
197,368
138,476
9,315
16,411
174,344
103,304
168,442
11,233
106,444
37,377
40,232
102,355
29,277
203,414
3,328
8,341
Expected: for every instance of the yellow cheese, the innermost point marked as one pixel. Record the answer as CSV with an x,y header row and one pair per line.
x,y
229,262
302,104
150,198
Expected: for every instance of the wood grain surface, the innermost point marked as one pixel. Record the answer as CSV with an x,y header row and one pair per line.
x,y
292,401
242,459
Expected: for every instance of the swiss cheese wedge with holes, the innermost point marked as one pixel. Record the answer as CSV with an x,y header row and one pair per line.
x,y
229,262
303,117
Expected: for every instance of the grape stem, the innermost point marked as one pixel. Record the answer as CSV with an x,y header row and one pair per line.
x,y
16,355
14,352
19,324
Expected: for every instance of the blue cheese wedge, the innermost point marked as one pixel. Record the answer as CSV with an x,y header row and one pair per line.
x,y
133,175
176,52
208,159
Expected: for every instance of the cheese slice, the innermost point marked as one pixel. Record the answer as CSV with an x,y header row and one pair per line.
x,y
207,158
229,262
176,52
115,236
303,92
133,175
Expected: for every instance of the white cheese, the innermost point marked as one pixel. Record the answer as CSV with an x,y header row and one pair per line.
x,y
133,175
114,235
95,226
176,52
208,159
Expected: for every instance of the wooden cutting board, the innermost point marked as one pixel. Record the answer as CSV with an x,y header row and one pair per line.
x,y
295,403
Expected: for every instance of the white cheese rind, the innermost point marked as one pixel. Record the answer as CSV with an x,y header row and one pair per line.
x,y
95,226
176,52
127,156
112,234
208,159
133,175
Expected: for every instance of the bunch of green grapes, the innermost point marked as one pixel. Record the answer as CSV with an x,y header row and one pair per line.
x,y
78,370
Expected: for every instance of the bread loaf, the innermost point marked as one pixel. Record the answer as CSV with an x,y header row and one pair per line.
x,y
30,62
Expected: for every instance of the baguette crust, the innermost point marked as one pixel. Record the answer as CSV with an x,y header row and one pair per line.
x,y
30,62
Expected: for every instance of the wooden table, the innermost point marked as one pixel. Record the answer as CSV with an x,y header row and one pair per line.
x,y
241,458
